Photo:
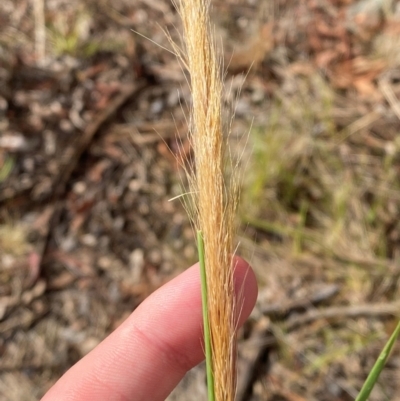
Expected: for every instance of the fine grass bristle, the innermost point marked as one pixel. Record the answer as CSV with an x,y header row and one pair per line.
x,y
215,196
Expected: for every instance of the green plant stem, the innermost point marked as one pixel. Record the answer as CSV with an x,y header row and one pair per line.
x,y
204,299
379,365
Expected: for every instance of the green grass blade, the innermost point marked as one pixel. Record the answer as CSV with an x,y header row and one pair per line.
x,y
6,168
379,365
204,299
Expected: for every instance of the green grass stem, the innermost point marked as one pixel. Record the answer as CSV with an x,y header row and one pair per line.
x,y
378,367
204,299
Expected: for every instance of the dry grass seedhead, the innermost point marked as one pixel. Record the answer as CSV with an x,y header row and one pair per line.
x,y
215,197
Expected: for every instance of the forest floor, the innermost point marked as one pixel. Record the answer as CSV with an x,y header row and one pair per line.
x,y
92,116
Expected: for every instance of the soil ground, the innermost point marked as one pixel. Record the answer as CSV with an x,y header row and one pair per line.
x,y
92,116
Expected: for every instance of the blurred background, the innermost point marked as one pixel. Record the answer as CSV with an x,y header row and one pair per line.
x,y
92,117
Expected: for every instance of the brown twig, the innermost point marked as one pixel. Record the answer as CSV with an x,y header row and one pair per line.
x,y
284,308
84,142
89,133
345,312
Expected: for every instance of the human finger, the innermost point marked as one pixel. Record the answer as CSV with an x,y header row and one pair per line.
x,y
147,356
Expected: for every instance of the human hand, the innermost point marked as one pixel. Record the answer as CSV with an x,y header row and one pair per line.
x,y
147,356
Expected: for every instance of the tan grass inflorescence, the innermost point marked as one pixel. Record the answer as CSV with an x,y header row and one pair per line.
x,y
215,196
